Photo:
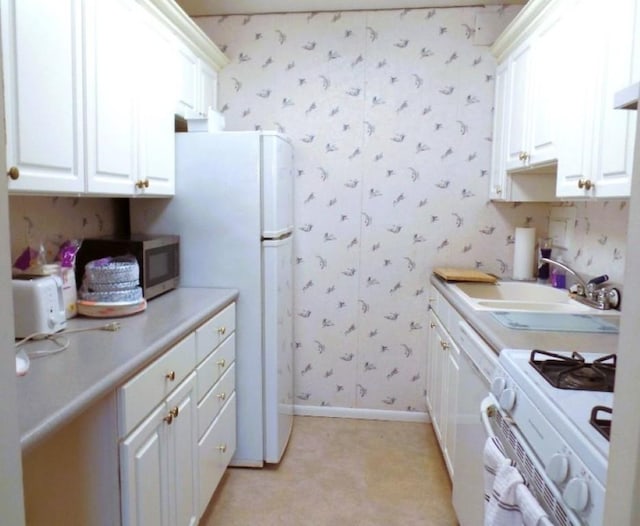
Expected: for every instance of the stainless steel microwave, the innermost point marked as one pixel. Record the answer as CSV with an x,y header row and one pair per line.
x,y
158,257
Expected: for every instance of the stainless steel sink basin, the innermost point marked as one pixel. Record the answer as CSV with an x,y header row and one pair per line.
x,y
523,296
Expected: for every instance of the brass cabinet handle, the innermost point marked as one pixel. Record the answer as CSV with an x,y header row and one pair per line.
x,y
171,376
432,325
14,172
523,156
498,189
222,396
222,331
168,419
222,448
221,363
174,412
142,184
586,184
444,345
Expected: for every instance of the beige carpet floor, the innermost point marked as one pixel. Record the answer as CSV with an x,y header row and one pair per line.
x,y
341,472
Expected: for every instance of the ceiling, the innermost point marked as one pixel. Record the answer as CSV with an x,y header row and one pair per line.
x,y
229,7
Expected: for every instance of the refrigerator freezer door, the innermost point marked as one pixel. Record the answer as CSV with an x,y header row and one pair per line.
x,y
277,185
278,346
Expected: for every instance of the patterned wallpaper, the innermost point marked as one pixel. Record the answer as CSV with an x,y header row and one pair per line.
x,y
390,113
52,220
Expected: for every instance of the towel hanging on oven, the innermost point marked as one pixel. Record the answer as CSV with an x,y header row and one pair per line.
x,y
508,502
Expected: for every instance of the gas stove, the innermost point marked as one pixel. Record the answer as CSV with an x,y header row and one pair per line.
x,y
564,424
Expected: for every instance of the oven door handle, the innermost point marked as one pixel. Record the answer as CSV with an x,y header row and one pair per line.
x,y
487,410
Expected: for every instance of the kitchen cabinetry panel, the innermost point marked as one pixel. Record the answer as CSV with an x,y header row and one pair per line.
x,y
140,394
213,332
601,58
215,450
111,121
156,101
43,90
442,375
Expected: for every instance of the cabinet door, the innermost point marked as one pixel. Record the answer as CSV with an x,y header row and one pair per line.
x,y
111,121
517,108
615,133
215,450
143,473
499,183
182,449
188,76
208,89
42,55
157,74
434,390
450,403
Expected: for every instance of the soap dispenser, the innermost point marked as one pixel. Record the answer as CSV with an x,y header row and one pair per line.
x,y
558,277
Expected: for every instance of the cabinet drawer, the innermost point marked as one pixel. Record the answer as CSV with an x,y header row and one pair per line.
x,y
215,365
215,451
215,399
144,391
214,331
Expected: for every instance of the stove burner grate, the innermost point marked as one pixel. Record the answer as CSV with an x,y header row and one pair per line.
x,y
573,372
603,425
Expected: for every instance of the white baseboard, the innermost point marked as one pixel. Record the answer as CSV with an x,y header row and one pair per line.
x,y
363,414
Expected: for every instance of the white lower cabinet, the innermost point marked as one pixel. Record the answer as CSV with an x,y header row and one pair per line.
x,y
177,427
157,462
443,358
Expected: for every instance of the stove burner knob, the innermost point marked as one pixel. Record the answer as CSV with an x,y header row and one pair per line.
x,y
576,494
558,468
497,386
507,399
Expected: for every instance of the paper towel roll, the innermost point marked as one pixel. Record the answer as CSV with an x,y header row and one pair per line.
x,y
524,253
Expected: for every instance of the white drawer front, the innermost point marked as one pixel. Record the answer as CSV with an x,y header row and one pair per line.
x,y
216,365
215,399
215,451
214,331
144,391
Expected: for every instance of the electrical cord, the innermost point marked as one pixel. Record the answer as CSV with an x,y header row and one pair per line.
x,y
59,339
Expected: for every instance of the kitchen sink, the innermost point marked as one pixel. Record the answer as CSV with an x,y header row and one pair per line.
x,y
523,296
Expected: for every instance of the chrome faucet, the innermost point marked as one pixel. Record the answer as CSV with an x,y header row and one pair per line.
x,y
592,292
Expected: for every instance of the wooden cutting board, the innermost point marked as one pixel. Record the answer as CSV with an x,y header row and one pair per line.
x,y
464,274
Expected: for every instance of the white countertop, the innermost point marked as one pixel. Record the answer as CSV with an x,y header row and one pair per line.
x,y
500,337
59,387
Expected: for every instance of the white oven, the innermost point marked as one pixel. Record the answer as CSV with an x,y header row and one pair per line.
x,y
554,430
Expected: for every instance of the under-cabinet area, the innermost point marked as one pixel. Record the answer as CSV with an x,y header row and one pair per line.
x,y
132,450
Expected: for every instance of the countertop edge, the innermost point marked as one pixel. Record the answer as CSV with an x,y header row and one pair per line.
x,y
107,384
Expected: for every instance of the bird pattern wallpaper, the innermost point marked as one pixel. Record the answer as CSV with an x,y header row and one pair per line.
x,y
390,114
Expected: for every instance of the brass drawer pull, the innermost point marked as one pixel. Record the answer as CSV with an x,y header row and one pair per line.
x,y
222,396
14,172
222,331
171,376
222,448
221,363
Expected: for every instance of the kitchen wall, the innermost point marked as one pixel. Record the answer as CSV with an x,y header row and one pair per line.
x,y
390,113
52,220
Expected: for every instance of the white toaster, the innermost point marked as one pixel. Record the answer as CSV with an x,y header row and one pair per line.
x,y
38,305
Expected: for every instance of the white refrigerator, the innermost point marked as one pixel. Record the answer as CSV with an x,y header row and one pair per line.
x,y
233,211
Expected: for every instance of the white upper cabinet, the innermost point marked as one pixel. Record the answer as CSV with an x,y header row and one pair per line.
x,y
600,58
556,133
197,90
42,54
112,127
90,93
156,94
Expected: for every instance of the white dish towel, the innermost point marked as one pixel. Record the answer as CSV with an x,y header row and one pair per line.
x,y
508,502
532,512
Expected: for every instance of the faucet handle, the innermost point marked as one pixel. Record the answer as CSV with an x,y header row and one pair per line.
x,y
598,280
